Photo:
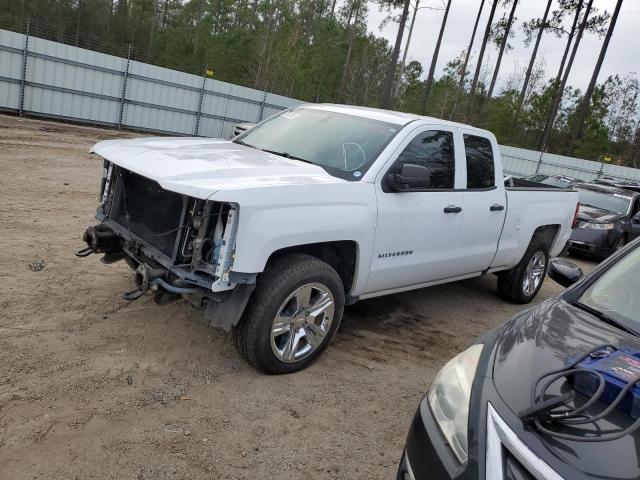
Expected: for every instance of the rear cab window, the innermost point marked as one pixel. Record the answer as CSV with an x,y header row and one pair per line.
x,y
480,162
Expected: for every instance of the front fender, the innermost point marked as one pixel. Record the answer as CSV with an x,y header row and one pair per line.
x,y
271,219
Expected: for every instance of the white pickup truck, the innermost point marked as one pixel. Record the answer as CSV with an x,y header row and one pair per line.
x,y
320,206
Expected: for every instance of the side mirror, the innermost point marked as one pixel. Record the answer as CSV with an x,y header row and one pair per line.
x,y
564,272
411,176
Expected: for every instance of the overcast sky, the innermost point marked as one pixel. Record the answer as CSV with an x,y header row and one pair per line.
x,y
623,55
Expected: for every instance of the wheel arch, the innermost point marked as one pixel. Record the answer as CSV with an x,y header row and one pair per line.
x,y
548,234
341,255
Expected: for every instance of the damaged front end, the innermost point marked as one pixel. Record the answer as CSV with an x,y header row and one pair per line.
x,y
179,246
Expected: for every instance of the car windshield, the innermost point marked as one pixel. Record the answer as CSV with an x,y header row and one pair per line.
x,y
344,145
560,182
616,293
612,202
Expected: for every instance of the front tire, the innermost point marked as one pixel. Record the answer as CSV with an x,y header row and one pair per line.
x,y
522,283
292,315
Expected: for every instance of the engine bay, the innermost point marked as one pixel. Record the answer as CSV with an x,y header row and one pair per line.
x,y
177,244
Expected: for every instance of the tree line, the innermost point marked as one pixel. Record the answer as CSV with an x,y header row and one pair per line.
x,y
321,51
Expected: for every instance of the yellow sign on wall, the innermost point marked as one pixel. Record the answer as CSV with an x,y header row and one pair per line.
x,y
209,73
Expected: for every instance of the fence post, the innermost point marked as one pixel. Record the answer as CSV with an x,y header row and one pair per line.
x,y
226,109
196,130
124,88
23,74
539,162
264,100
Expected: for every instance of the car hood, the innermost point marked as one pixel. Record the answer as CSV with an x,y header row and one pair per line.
x,y
548,338
587,213
200,167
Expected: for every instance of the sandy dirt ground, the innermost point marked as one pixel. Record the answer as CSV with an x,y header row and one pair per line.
x,y
93,387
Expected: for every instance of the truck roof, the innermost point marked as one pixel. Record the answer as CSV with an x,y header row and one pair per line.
x,y
389,116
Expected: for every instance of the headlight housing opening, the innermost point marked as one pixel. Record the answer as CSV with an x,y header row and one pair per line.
x,y
449,398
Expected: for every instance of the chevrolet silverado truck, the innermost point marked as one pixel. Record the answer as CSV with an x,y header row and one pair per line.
x,y
272,233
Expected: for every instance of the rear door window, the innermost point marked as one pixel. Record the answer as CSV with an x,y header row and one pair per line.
x,y
480,163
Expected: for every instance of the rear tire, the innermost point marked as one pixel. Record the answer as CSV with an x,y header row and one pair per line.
x,y
292,315
522,283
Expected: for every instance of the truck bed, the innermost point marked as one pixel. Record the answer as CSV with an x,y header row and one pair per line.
x,y
530,204
513,183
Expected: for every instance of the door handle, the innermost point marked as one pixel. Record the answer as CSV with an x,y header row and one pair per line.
x,y
452,209
496,208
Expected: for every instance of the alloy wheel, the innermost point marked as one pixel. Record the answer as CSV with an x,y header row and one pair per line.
x,y
302,322
534,273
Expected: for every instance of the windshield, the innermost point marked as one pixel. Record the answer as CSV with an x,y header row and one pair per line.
x,y
606,201
560,182
344,145
617,292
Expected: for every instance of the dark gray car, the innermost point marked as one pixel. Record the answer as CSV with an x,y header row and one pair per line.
x,y
608,219
614,182
553,180
495,411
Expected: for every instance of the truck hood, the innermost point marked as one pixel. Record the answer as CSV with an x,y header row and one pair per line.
x,y
200,167
550,337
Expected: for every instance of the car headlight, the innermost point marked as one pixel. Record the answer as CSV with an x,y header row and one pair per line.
x,y
597,226
449,398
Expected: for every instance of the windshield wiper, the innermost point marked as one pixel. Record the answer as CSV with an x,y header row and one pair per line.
x,y
604,317
285,155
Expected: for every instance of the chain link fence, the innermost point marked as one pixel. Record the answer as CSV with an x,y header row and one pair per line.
x,y
50,73
42,77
